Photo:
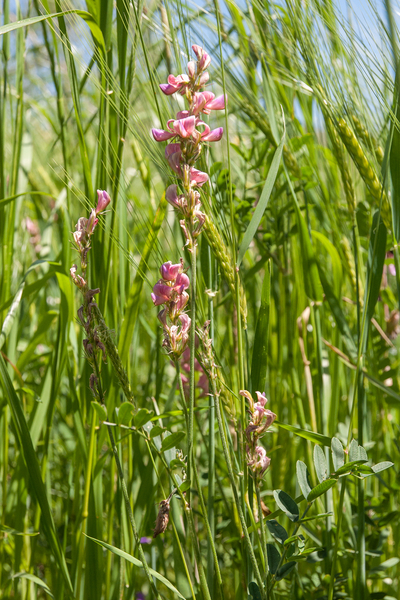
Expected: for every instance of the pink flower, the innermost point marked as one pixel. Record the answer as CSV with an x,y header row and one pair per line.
x,y
181,283
161,293
191,67
103,201
202,57
173,155
169,271
198,177
215,104
92,222
174,84
184,128
212,136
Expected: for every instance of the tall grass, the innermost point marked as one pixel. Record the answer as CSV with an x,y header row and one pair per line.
x,y
298,272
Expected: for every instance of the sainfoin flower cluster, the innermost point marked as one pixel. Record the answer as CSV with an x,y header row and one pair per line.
x,y
261,419
187,134
170,291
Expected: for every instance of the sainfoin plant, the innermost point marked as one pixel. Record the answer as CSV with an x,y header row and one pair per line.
x,y
199,370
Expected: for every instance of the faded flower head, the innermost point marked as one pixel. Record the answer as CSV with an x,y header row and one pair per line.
x,y
261,419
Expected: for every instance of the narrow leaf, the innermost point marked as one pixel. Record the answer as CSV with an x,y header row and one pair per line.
x,y
277,530
263,201
137,563
285,570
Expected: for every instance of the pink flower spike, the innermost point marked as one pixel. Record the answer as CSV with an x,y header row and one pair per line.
x,y
161,136
103,201
169,272
214,136
168,89
198,177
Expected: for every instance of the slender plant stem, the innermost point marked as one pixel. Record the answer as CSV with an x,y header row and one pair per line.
x,y
236,494
202,504
262,527
125,491
192,357
338,529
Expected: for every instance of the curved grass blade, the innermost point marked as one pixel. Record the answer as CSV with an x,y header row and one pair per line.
x,y
137,563
32,464
260,346
264,198
318,438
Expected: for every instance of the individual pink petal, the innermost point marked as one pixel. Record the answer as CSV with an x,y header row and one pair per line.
x,y
181,302
173,156
182,114
160,135
199,102
218,103
185,127
169,272
186,321
179,80
161,293
214,136
198,177
182,282
202,56
103,200
92,222
171,195
204,78
168,89
261,398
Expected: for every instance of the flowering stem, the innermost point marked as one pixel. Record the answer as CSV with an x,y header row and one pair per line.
x,y
262,528
235,492
125,491
202,504
192,357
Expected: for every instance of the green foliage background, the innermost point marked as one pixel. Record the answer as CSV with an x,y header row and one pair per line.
x,y
79,95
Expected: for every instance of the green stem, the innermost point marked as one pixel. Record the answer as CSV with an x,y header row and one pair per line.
x,y
338,528
125,491
85,508
235,492
262,527
192,357
202,504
